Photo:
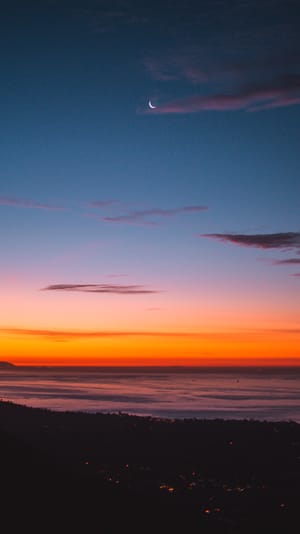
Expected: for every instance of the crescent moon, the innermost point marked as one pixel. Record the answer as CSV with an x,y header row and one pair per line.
x,y
151,105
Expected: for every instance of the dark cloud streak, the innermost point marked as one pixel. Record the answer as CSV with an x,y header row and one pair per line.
x,y
140,216
116,289
284,240
290,261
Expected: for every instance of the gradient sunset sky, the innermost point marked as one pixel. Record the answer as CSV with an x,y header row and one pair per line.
x,y
143,235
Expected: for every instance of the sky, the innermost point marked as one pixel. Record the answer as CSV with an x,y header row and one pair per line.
x,y
149,182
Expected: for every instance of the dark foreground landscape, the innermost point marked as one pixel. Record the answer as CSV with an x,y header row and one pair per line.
x,y
75,472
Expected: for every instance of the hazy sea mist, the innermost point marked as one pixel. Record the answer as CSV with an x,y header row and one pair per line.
x,y
231,393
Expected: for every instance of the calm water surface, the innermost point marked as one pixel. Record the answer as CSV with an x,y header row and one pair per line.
x,y
256,393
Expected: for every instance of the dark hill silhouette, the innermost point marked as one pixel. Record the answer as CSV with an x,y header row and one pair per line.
x,y
139,474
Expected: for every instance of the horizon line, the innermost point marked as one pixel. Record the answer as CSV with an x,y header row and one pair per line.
x,y
292,363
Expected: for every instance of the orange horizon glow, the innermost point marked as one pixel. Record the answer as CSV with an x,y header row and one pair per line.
x,y
217,363
195,327
142,348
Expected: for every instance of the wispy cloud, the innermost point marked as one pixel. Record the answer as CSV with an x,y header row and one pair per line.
x,y
176,67
231,60
195,67
142,216
116,289
283,240
65,335
68,335
128,219
20,203
289,261
282,92
199,65
117,275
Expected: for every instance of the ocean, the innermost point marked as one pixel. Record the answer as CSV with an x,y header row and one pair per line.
x,y
228,393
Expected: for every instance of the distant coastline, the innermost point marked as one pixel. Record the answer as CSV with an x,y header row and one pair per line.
x,y
145,369
7,365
